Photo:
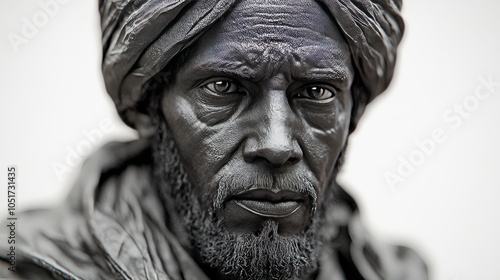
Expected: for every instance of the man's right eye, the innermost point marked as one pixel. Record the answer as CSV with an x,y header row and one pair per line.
x,y
223,87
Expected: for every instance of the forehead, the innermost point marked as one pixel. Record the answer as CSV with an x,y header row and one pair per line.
x,y
259,36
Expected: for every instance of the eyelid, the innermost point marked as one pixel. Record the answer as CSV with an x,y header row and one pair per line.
x,y
204,83
334,90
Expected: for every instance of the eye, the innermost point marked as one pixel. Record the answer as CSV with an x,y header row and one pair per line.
x,y
316,92
222,87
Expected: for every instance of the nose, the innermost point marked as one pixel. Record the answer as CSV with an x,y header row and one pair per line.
x,y
273,140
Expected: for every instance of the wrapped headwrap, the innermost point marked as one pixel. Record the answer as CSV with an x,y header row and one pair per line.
x,y
141,37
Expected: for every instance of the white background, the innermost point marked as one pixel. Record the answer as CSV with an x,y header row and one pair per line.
x,y
51,94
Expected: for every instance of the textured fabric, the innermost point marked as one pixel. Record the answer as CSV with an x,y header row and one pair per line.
x,y
113,227
141,37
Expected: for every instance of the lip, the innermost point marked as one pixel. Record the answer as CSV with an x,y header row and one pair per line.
x,y
270,204
270,209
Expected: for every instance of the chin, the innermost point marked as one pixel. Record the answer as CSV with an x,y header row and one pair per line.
x,y
263,254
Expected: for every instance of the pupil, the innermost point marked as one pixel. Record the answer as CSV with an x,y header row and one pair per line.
x,y
315,92
221,86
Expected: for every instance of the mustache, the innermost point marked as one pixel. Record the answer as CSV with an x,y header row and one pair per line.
x,y
234,184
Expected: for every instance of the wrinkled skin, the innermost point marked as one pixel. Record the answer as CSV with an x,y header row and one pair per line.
x,y
263,102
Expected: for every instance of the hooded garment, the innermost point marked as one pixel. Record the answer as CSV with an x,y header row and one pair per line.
x,y
112,226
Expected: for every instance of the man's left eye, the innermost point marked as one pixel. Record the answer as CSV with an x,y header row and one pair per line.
x,y
222,87
316,93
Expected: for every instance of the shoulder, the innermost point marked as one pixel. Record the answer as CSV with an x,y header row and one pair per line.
x,y
377,260
363,257
59,242
52,244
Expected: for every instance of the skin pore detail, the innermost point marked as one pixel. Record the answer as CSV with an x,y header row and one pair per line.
x,y
260,114
269,114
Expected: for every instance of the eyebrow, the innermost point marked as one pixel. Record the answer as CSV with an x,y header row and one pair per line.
x,y
338,74
240,70
235,68
241,66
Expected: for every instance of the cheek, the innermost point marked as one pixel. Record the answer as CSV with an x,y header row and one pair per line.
x,y
212,109
325,116
203,148
327,131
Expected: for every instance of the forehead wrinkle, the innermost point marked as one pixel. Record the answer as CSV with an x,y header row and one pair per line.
x,y
284,30
226,67
231,60
278,19
258,47
252,61
273,30
255,62
320,73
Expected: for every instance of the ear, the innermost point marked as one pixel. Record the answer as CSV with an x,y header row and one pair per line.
x,y
143,124
356,115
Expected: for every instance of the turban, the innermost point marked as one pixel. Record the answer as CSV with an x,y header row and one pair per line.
x,y
140,38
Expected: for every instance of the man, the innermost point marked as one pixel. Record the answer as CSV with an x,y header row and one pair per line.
x,y
243,109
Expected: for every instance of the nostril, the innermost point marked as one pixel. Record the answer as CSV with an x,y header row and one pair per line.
x,y
294,160
249,157
274,158
290,161
270,153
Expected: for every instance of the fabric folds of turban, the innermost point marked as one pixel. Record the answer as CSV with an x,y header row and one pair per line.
x,y
140,38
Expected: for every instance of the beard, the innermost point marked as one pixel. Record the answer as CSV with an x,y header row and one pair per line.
x,y
224,254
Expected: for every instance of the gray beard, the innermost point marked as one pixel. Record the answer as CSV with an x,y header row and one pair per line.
x,y
223,254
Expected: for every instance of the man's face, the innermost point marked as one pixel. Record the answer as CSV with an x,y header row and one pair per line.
x,y
260,113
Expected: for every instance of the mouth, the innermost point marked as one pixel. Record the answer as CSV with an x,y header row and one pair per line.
x,y
270,204
247,211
